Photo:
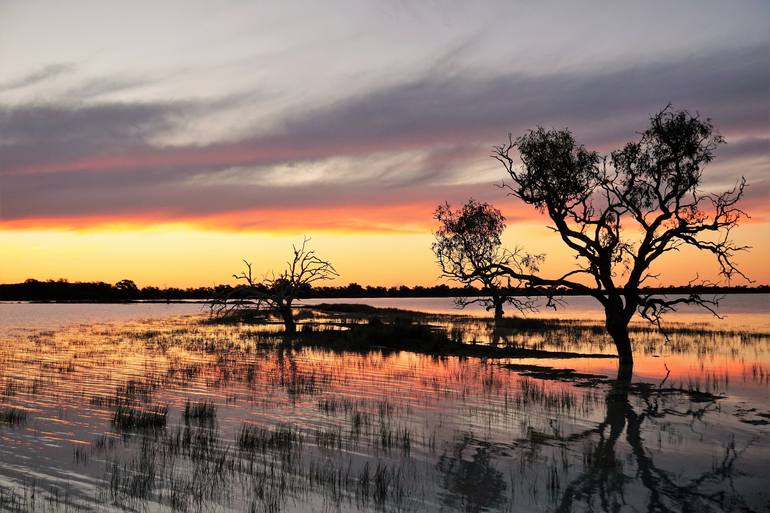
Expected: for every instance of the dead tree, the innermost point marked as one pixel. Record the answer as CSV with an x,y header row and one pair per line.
x,y
276,293
619,213
467,249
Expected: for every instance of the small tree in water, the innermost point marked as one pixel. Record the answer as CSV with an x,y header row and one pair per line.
x,y
277,293
620,213
468,249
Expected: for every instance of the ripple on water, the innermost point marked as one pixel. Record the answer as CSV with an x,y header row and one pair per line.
x,y
278,428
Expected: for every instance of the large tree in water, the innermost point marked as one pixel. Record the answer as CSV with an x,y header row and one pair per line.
x,y
619,213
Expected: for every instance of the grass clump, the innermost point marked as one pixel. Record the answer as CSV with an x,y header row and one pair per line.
x,y
259,439
129,418
401,334
12,416
202,411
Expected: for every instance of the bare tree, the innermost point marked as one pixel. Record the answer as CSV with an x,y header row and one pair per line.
x,y
276,293
620,213
468,249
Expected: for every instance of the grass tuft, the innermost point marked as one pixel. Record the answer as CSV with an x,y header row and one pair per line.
x,y
202,411
12,416
128,418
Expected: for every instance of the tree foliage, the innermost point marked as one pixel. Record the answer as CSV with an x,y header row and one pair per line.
x,y
620,212
468,247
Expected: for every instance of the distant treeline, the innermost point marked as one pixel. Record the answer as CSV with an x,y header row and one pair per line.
x,y
127,290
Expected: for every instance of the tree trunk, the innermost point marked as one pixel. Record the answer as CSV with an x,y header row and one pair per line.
x,y
618,330
498,311
287,314
497,301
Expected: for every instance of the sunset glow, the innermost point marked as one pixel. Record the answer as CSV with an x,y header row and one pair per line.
x,y
169,170
373,256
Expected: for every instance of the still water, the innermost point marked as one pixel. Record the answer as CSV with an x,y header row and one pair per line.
x,y
142,407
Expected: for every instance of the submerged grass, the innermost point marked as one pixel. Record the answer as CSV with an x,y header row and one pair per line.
x,y
373,427
201,411
283,438
402,334
128,418
12,416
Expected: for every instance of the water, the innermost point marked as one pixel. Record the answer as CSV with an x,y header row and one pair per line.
x,y
309,429
745,311
54,315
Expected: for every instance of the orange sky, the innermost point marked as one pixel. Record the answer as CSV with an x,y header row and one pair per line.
x,y
188,255
135,148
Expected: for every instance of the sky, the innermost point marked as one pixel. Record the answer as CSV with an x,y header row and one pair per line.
x,y
166,141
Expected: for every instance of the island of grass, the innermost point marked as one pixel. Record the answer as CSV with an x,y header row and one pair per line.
x,y
363,328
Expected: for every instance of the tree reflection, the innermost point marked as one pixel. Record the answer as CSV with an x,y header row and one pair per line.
x,y
615,481
472,483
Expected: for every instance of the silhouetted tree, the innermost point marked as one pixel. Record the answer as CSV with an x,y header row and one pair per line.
x,y
620,213
127,289
277,293
468,249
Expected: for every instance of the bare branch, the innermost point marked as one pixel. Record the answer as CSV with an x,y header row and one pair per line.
x,y
276,293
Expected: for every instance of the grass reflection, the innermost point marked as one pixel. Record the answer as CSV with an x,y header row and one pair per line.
x,y
408,412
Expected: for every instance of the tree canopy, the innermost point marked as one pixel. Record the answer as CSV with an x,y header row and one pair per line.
x,y
619,213
468,246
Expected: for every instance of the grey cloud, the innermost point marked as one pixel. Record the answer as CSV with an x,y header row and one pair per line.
x,y
67,197
96,87
751,147
36,134
41,75
732,87
453,117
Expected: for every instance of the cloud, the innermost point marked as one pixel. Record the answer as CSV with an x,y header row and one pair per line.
x,y
41,75
101,86
747,148
405,143
39,134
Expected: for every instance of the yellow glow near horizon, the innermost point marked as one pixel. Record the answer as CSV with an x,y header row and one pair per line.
x,y
185,256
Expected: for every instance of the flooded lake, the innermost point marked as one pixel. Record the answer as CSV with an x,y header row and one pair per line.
x,y
145,407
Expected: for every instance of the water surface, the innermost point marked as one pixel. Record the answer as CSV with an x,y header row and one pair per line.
x,y
277,428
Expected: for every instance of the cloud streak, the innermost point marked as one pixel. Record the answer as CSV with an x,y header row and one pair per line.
x,y
396,145
36,77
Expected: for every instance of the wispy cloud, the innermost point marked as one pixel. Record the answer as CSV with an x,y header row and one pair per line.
x,y
410,143
36,77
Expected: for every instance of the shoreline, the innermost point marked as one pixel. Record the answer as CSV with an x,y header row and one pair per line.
x,y
660,292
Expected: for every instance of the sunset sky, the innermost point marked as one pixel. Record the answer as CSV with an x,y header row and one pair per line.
x,y
166,141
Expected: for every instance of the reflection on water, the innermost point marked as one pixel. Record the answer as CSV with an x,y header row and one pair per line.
x,y
744,311
55,315
470,480
173,415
